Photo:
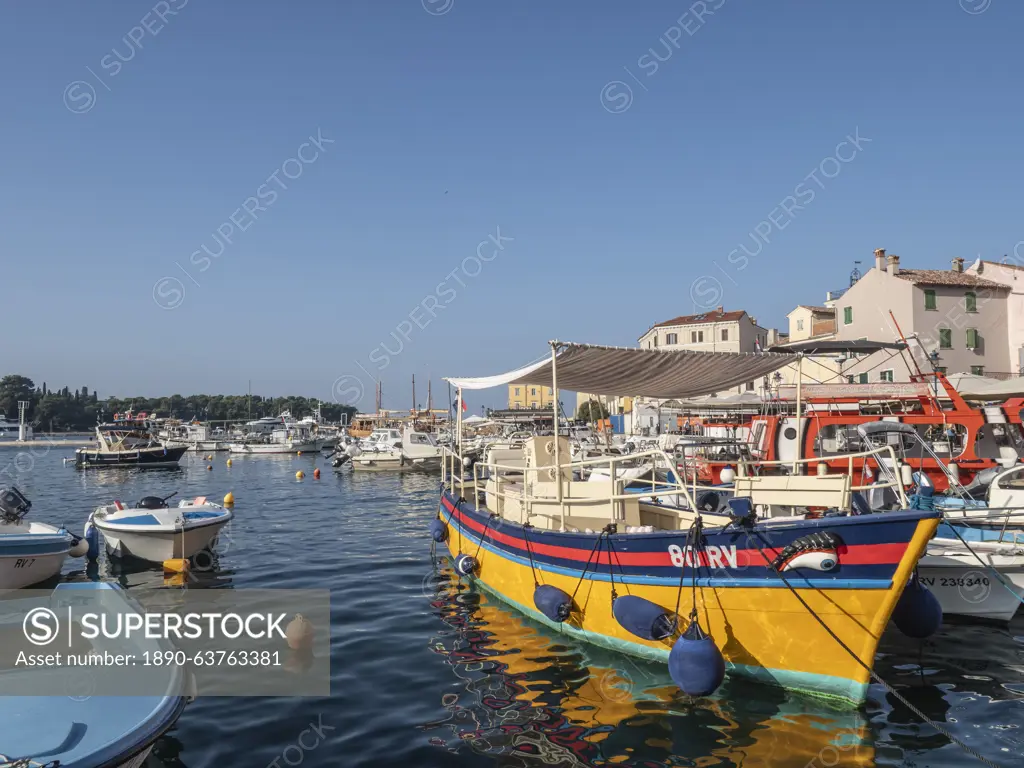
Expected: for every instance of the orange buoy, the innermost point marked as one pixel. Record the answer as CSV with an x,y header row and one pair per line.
x,y
316,473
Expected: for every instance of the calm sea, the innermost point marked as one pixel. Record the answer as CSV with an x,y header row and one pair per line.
x,y
428,673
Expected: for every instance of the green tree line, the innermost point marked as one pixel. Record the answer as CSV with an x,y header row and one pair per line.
x,y
77,410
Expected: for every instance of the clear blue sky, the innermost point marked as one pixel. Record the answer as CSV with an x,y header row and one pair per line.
x,y
451,120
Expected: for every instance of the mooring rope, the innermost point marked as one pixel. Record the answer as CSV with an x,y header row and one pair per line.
x,y
596,549
871,672
693,534
529,551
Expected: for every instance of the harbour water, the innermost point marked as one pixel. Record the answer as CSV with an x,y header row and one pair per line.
x,y
426,672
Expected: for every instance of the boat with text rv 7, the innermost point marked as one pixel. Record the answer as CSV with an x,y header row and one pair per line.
x,y
128,441
796,602
971,441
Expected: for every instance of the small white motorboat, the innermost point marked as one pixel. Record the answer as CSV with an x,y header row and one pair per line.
x,y
153,531
418,452
29,552
992,589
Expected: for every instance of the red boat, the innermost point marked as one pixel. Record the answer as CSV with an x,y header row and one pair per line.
x,y
969,439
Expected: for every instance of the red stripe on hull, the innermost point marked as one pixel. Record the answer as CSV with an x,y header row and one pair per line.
x,y
859,554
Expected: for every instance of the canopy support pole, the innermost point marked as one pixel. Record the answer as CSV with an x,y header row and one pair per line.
x,y
554,410
799,430
458,443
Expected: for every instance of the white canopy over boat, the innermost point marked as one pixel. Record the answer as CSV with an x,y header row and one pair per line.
x,y
653,373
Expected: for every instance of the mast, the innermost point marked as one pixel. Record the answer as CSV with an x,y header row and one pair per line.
x,y
414,395
554,409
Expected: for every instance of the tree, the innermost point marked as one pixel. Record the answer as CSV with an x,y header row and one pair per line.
x,y
12,389
591,411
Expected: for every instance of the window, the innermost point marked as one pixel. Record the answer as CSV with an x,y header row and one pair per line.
x,y
533,391
533,405
517,391
671,338
929,300
725,334
550,392
978,370
799,325
696,337
972,338
885,375
971,301
945,338
862,378
849,379
750,386
847,315
655,341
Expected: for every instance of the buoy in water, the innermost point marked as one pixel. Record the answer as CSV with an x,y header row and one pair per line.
x,y
918,613
209,467
299,475
92,536
229,498
299,633
316,473
642,617
438,530
176,565
465,565
552,602
80,547
695,663
229,462
298,453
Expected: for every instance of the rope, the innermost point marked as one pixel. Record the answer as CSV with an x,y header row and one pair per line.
x,y
476,555
693,534
622,574
596,549
871,672
529,551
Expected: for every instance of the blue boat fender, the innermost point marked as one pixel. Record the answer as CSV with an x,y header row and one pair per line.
x,y
92,535
552,602
917,613
642,617
466,565
438,530
695,663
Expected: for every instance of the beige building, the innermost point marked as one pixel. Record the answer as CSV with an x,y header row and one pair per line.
x,y
958,318
712,331
1008,272
529,396
811,322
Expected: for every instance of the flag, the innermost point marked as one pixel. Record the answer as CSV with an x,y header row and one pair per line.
x,y
463,404
757,344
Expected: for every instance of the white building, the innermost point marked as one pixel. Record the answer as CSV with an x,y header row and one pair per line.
x,y
1011,274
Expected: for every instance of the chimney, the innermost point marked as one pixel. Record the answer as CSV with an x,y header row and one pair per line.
x,y
721,310
958,264
880,259
894,265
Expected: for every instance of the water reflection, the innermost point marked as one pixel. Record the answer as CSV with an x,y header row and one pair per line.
x,y
529,696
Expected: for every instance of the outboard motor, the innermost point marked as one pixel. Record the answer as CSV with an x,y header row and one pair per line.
x,y
13,505
152,502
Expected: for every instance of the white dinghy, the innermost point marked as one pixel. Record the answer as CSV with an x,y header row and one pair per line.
x,y
155,532
29,552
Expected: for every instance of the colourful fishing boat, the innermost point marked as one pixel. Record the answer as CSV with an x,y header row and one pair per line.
x,y
797,603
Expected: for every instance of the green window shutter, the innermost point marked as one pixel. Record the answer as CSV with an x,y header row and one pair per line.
x,y
971,301
945,338
863,378
978,370
929,300
972,338
847,315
